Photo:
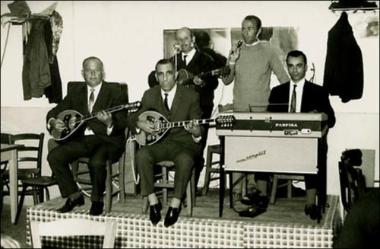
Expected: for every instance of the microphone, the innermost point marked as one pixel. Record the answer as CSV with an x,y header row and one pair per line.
x,y
177,47
239,43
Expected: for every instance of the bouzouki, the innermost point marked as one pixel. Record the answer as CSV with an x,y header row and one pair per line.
x,y
162,125
71,127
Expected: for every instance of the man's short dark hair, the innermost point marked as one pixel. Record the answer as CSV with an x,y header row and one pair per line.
x,y
92,58
202,39
255,19
164,61
296,53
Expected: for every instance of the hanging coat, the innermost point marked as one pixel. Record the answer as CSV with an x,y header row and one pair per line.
x,y
36,72
344,63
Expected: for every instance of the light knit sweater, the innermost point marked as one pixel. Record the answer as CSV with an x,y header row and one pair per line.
x,y
252,77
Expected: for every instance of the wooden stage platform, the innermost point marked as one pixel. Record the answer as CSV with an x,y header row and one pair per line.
x,y
283,225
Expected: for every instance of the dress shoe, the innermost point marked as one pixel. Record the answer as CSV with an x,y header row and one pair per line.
x,y
252,211
256,199
155,213
172,216
313,211
70,204
96,208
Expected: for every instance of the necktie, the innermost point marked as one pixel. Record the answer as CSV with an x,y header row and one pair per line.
x,y
91,100
184,59
293,103
166,102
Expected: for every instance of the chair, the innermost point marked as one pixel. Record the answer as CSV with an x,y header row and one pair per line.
x,y
81,174
164,184
29,155
211,150
6,138
74,227
288,184
39,183
352,181
113,179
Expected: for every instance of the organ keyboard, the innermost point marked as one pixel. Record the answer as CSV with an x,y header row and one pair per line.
x,y
275,125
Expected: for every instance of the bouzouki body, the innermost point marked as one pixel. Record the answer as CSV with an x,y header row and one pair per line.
x,y
65,117
157,119
161,125
71,128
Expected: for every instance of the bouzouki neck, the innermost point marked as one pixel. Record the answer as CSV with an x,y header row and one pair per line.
x,y
110,110
183,123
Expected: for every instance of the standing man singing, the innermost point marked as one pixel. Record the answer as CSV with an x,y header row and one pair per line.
x,y
251,65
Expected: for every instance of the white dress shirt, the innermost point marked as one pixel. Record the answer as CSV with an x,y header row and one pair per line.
x,y
171,95
299,93
189,56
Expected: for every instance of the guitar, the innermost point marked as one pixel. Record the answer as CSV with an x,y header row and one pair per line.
x,y
186,78
162,125
70,128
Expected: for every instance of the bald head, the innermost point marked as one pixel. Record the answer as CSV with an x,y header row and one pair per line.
x,y
185,39
184,31
93,71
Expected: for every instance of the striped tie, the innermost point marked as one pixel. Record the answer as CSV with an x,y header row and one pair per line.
x,y
91,100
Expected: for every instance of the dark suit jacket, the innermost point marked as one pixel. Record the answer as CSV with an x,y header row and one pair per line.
x,y
110,95
201,62
344,63
185,106
314,97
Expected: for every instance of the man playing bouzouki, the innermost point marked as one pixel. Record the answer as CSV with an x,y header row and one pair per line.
x,y
100,138
180,145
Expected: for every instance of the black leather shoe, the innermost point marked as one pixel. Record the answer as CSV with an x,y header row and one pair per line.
x,y
313,211
96,208
172,216
255,199
155,213
70,204
252,211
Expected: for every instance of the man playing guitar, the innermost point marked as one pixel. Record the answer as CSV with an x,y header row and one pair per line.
x,y
196,62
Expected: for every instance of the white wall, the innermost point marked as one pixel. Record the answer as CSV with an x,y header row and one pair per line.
x,y
127,36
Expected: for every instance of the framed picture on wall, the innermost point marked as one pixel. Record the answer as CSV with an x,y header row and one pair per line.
x,y
217,37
